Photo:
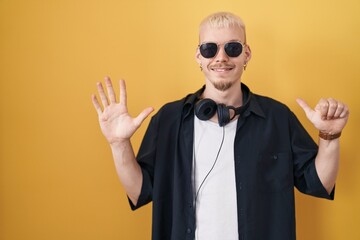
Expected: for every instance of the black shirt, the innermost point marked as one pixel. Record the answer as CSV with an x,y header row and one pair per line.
x,y
273,153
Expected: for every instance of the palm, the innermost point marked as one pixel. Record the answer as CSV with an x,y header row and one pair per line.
x,y
115,122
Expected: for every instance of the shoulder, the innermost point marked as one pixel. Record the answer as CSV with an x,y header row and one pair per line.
x,y
277,112
173,111
271,106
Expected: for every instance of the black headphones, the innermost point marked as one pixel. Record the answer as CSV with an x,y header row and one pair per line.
x,y
206,108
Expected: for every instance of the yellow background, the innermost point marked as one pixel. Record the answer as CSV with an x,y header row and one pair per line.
x,y
57,179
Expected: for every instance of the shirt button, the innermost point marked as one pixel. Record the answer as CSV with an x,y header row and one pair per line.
x,y
188,230
241,212
275,157
240,185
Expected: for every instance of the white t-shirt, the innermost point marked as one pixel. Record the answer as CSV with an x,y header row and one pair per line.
x,y
216,202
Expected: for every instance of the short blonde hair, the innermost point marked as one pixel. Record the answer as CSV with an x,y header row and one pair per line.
x,y
223,20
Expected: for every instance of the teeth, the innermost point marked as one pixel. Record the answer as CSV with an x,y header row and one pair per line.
x,y
221,69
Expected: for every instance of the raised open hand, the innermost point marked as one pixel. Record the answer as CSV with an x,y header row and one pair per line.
x,y
115,122
329,115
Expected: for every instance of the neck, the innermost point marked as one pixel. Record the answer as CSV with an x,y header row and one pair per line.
x,y
230,97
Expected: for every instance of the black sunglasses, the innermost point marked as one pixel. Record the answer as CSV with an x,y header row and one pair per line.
x,y
210,49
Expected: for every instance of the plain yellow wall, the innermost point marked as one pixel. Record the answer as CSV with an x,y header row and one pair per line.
x,y
57,179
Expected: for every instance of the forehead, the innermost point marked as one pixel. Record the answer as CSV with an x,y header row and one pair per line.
x,y
222,34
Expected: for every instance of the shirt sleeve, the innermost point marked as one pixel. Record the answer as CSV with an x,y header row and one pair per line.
x,y
146,159
304,151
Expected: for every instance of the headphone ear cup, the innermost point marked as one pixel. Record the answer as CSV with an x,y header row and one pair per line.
x,y
223,114
205,109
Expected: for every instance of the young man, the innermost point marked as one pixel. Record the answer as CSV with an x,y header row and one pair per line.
x,y
222,163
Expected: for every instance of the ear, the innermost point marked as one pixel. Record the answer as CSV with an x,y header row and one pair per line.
x,y
247,53
198,56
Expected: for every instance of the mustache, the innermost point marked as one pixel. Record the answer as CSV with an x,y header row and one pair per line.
x,y
222,65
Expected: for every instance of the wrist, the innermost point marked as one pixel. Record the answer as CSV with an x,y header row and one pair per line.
x,y
329,135
119,143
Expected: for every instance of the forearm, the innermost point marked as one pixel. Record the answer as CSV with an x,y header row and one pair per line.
x,y
128,169
327,162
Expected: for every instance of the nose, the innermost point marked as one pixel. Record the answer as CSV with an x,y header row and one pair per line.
x,y
221,55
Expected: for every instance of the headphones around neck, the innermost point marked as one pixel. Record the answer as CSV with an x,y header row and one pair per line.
x,y
206,109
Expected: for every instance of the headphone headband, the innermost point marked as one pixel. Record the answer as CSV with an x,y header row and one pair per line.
x,y
206,108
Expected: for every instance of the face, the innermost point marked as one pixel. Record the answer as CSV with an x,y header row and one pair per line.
x,y
223,71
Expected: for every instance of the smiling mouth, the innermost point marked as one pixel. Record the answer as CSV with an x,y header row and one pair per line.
x,y
222,69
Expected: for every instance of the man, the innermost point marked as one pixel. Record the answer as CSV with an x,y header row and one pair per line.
x,y
222,163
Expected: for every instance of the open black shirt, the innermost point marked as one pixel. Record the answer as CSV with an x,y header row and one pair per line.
x,y
273,153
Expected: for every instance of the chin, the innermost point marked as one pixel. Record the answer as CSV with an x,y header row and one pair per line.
x,y
223,85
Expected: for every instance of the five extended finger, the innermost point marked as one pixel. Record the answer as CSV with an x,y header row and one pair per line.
x,y
96,104
143,115
123,92
102,94
110,90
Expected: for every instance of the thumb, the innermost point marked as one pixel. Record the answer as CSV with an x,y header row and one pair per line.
x,y
308,111
143,115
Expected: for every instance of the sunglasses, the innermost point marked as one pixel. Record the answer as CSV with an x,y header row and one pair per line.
x,y
210,49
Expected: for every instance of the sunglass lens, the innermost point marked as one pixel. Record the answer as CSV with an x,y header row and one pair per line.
x,y
208,50
233,49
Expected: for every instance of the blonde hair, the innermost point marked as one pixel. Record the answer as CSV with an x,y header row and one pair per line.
x,y
223,20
